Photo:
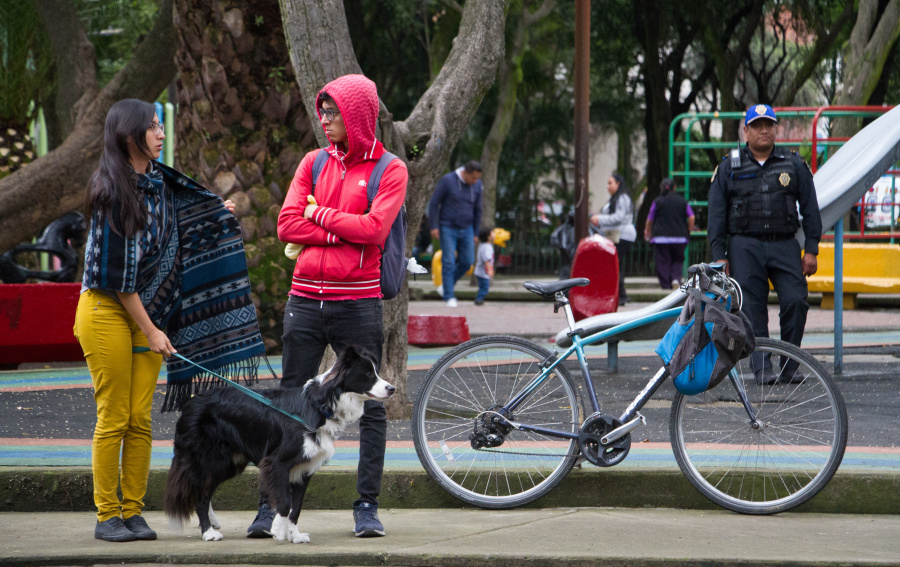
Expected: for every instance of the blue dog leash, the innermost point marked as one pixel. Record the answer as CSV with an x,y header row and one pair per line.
x,y
243,389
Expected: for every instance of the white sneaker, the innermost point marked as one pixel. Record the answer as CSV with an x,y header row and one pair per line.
x,y
440,290
452,302
676,284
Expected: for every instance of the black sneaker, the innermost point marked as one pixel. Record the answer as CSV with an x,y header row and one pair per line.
x,y
262,524
113,529
365,515
765,378
795,378
139,528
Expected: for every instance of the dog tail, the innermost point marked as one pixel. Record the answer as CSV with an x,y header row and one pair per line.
x,y
182,492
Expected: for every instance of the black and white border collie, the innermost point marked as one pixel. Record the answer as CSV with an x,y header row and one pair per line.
x,y
223,429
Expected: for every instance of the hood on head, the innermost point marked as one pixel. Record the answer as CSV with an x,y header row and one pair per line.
x,y
357,100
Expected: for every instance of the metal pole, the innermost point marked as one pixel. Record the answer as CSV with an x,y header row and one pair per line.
x,y
582,117
169,143
839,297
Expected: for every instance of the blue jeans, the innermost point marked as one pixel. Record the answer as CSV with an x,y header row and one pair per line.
x,y
484,284
309,326
457,255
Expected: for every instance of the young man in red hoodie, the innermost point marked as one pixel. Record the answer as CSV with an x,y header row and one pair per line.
x,y
335,296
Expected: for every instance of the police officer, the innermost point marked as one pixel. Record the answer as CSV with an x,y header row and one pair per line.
x,y
753,215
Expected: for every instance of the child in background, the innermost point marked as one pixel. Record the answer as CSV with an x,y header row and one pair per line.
x,y
484,264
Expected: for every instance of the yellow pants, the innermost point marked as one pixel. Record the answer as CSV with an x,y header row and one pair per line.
x,y
123,390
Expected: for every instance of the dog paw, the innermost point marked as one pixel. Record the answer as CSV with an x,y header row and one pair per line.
x,y
280,527
211,535
296,537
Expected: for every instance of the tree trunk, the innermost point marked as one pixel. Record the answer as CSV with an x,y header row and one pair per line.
x,y
320,48
874,35
54,184
76,62
509,78
242,129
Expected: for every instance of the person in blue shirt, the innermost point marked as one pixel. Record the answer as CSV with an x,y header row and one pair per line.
x,y
454,214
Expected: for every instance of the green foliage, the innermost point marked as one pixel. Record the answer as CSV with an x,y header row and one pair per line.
x,y
114,27
538,145
26,62
401,45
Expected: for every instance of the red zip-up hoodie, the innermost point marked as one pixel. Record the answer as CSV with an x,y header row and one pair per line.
x,y
341,257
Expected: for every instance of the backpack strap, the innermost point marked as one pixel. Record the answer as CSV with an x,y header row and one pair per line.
x,y
317,167
375,177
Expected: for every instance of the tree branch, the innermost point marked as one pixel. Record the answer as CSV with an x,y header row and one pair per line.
x,y
825,39
54,184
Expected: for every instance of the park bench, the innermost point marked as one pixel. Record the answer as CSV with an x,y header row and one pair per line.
x,y
868,268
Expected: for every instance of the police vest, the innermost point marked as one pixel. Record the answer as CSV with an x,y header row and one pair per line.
x,y
763,202
671,216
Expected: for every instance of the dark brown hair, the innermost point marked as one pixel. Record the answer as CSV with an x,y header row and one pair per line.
x,y
112,187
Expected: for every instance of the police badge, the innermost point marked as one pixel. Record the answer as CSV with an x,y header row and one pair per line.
x,y
784,179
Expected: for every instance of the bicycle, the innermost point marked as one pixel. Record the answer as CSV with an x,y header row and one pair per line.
x,y
498,421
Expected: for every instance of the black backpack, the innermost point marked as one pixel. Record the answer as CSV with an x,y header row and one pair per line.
x,y
393,252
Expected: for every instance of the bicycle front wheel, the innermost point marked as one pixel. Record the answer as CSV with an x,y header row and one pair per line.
x,y
461,395
781,459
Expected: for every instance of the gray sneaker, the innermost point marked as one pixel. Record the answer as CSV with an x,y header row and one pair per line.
x,y
139,528
113,529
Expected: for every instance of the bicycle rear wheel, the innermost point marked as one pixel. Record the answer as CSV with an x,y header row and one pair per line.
x,y
462,393
781,461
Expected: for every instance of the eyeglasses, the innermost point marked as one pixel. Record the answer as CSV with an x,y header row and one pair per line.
x,y
156,127
329,113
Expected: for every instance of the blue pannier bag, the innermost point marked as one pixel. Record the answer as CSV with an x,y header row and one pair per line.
x,y
393,253
707,340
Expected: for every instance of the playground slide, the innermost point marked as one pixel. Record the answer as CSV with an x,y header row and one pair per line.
x,y
840,183
843,180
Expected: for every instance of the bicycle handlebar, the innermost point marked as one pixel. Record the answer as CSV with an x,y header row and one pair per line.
x,y
707,269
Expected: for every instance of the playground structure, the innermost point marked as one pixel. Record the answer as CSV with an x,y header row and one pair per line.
x,y
867,269
841,183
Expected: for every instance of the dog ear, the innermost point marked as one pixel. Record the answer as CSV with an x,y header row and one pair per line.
x,y
360,352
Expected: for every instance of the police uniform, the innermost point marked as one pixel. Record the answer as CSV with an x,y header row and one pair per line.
x,y
753,221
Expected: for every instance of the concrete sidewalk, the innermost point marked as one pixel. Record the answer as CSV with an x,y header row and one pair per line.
x,y
475,538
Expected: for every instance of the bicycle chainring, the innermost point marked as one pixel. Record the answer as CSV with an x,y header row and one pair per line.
x,y
592,430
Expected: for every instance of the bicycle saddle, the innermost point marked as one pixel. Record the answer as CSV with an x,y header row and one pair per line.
x,y
549,290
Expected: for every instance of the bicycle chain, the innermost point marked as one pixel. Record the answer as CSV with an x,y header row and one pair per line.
x,y
526,454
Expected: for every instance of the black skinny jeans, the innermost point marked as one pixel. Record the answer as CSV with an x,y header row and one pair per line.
x,y
311,325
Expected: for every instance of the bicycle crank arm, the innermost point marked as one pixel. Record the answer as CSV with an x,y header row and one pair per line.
x,y
623,430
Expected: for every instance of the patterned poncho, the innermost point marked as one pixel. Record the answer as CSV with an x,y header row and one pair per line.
x,y
189,269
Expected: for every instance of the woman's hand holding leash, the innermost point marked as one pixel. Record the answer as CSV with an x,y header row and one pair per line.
x,y
159,343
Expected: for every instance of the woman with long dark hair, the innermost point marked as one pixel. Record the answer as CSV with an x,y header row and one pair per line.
x,y
615,223
158,243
